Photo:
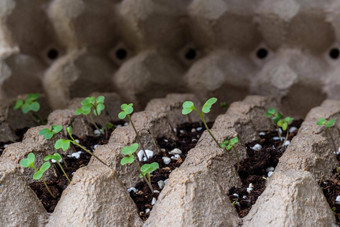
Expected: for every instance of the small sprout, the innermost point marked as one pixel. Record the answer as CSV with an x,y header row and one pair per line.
x,y
29,163
38,175
109,126
93,105
338,169
284,123
228,145
189,106
57,157
29,105
127,109
265,178
328,124
272,113
234,203
129,153
148,168
49,133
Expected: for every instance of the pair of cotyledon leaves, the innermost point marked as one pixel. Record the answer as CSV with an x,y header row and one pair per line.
x,y
29,104
49,133
228,144
29,162
126,109
91,104
278,119
276,116
64,144
328,124
130,158
189,106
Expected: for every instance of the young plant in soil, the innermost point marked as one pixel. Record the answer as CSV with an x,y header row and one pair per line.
x,y
29,162
276,117
127,110
29,106
57,158
229,145
49,133
328,124
188,107
130,157
64,144
284,123
96,106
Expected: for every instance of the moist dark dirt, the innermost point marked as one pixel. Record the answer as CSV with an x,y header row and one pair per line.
x,y
331,190
58,183
187,136
253,169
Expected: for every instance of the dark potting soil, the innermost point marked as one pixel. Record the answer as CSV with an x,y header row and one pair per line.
x,y
187,136
253,170
331,190
58,183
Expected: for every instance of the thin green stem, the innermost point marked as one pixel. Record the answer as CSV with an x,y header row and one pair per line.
x,y
287,134
94,123
101,120
53,140
137,164
35,117
86,150
62,169
207,128
48,189
137,135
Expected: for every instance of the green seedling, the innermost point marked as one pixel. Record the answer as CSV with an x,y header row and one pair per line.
x,y
96,106
284,123
229,145
29,106
338,169
57,158
127,110
276,117
234,203
328,124
129,153
29,163
189,106
65,144
49,133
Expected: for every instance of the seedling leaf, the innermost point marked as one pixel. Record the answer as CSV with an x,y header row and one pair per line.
x,y
207,105
100,108
322,121
55,156
127,160
56,128
122,115
129,150
100,99
188,107
35,106
18,104
62,144
29,161
148,168
330,123
41,171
